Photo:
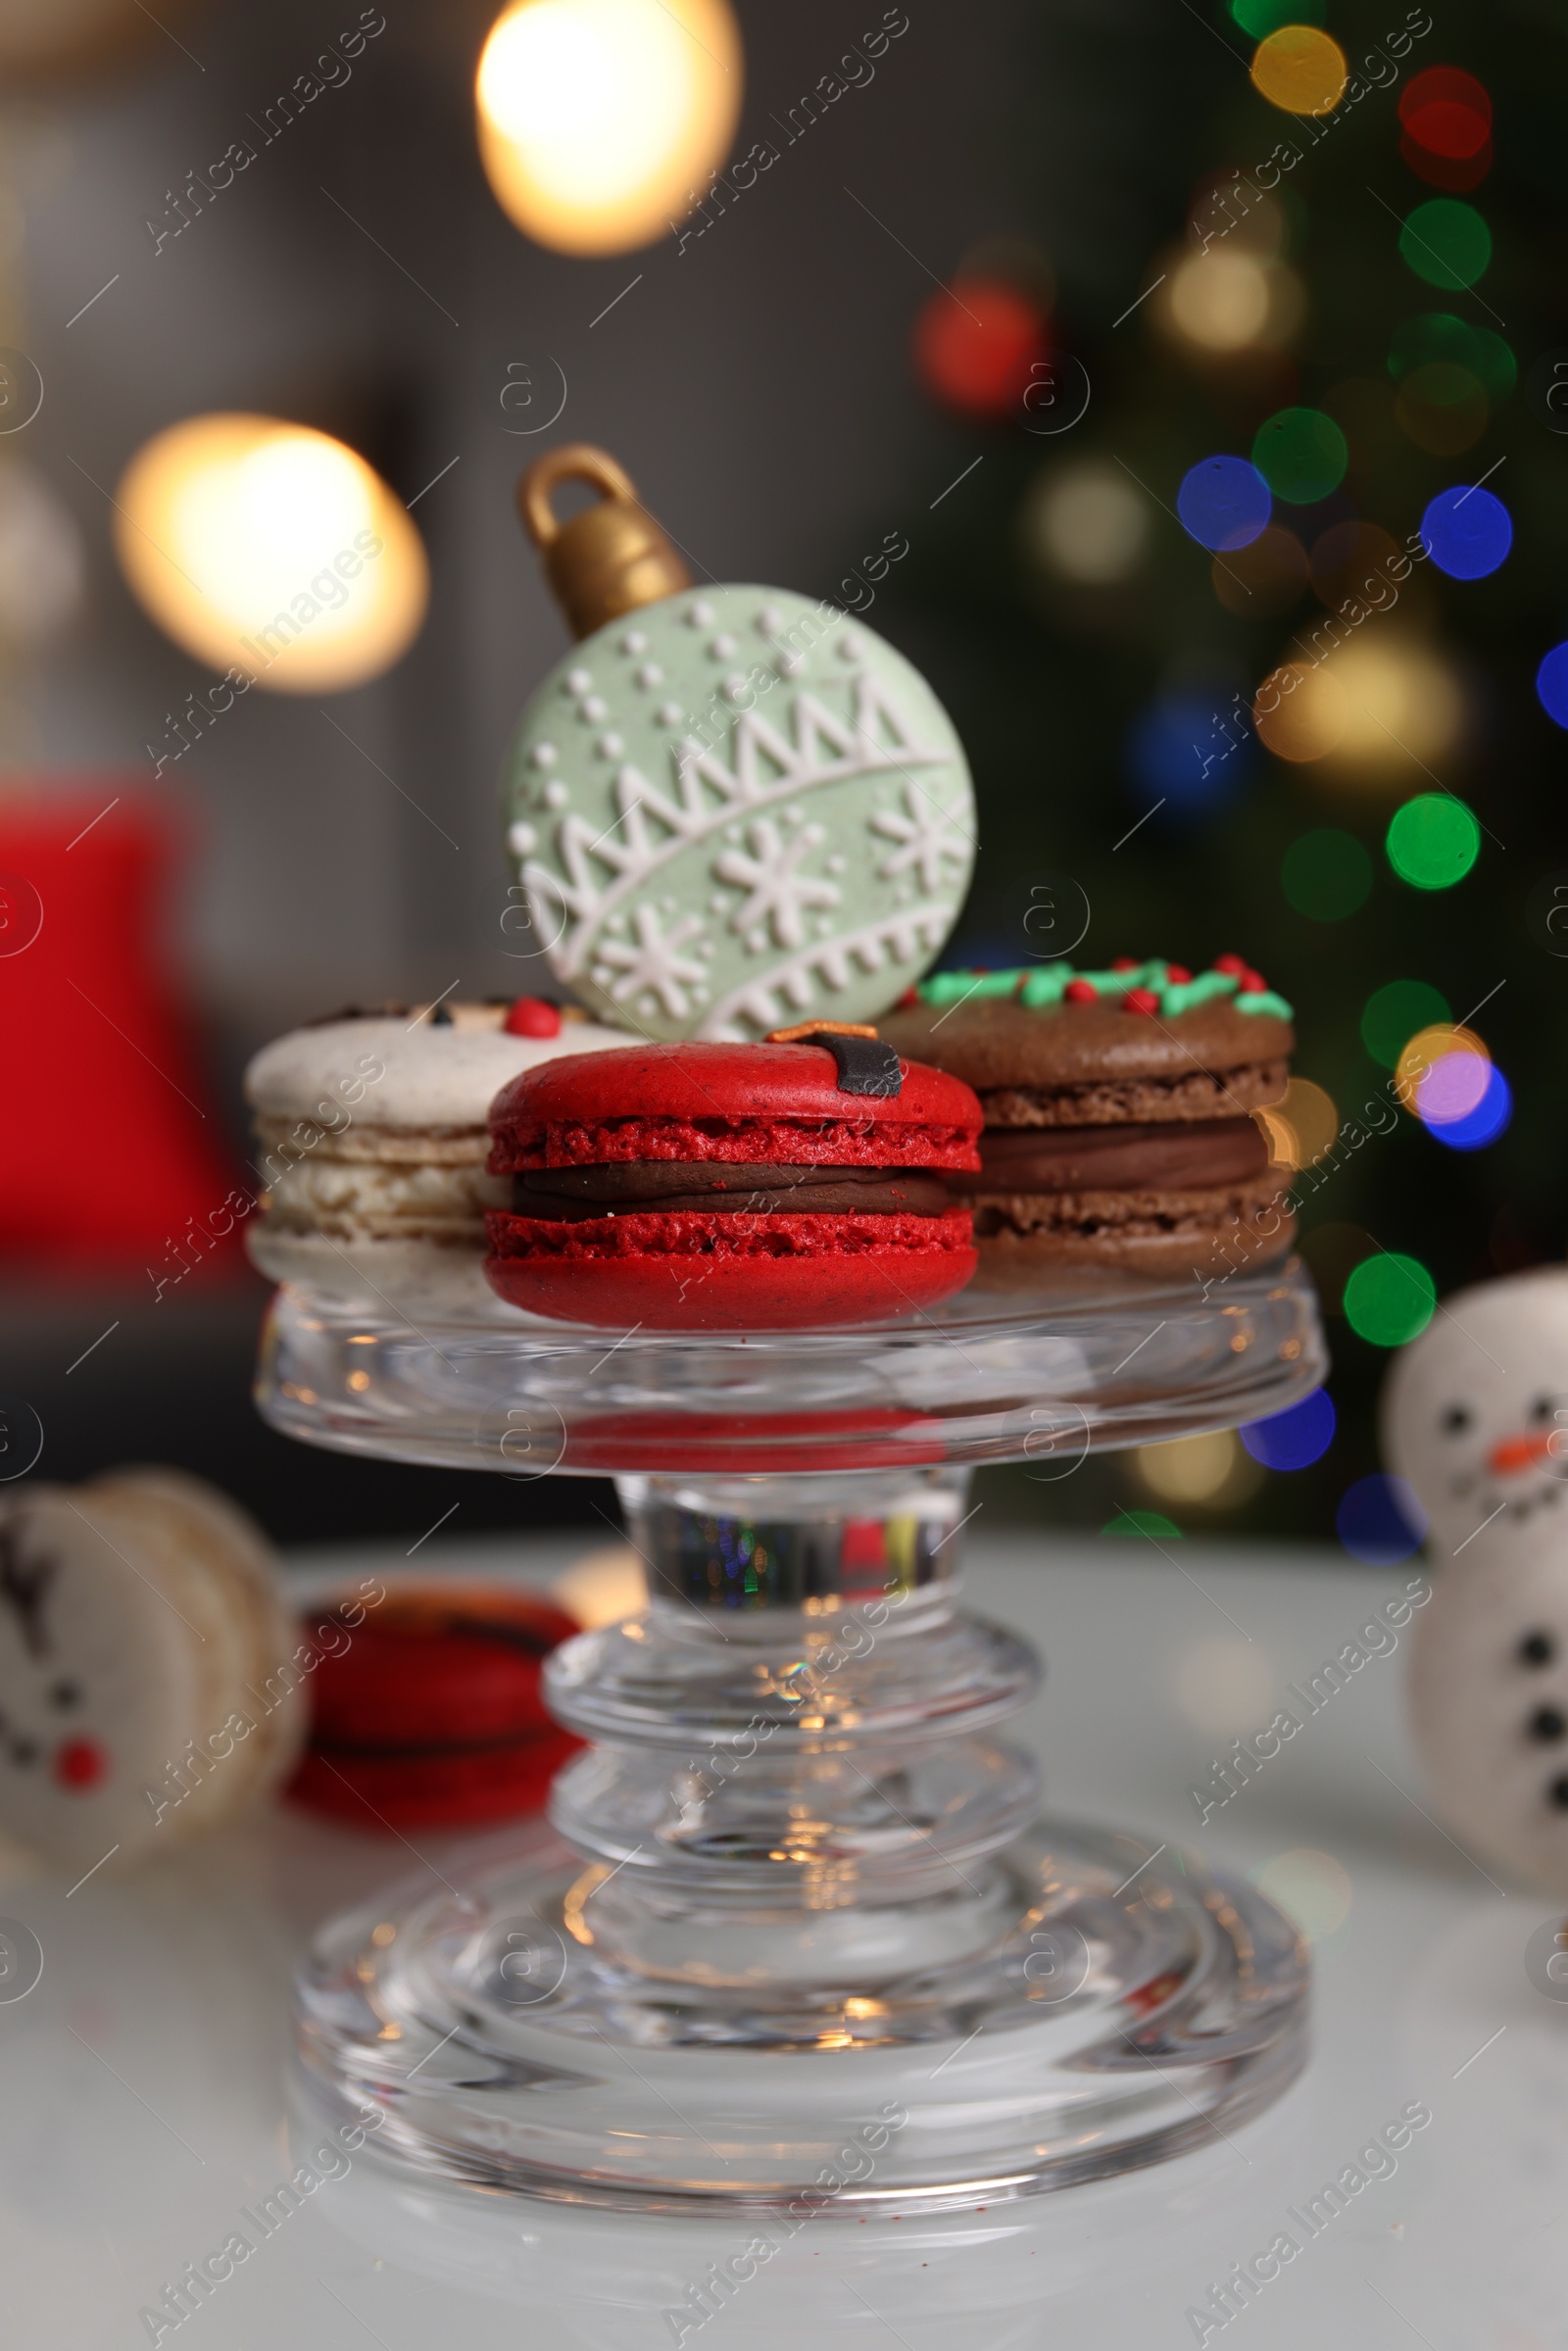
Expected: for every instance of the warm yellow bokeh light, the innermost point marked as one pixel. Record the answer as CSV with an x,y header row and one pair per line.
x,y
1402,708
1425,1050
1301,1126
1301,712
603,1587
601,119
1300,68
272,549
1088,523
1220,299
1214,1469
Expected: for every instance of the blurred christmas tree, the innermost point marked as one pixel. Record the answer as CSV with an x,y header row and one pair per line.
x,y
1248,646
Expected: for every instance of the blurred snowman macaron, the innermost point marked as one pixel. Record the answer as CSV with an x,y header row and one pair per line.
x,y
1475,1416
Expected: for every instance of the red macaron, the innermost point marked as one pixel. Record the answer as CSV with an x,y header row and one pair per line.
x,y
732,1187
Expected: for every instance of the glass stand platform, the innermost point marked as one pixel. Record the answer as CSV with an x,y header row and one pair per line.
x,y
795,1932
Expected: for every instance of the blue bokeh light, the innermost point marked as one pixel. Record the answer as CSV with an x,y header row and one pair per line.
x,y
1293,1438
1187,750
1466,532
1224,503
1380,1522
1482,1125
1551,684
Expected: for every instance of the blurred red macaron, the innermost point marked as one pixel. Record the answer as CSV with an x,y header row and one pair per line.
x,y
725,1186
429,1713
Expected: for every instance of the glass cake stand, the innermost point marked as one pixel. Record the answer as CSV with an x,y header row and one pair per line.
x,y
795,1932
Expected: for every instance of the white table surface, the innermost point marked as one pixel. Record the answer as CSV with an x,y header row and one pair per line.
x,y
144,2079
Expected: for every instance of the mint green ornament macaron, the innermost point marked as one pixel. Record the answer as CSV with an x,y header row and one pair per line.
x,y
730,808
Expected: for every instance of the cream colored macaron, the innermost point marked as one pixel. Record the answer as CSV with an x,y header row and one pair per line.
x,y
373,1143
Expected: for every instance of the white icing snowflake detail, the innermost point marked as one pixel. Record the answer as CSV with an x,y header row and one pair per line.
x,y
578,681
594,711
928,834
543,755
557,793
770,621
722,649
780,892
649,674
699,615
734,686
654,966
609,747
634,641
849,647
521,839
670,714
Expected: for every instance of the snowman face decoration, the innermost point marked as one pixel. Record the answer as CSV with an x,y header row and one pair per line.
x,y
1475,1415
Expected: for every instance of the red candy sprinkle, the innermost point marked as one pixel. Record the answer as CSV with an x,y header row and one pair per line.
x,y
1124,963
911,995
532,1017
1250,983
1140,999
1080,992
80,1763
1177,974
1232,966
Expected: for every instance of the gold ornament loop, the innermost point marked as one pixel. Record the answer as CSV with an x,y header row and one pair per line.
x,y
610,557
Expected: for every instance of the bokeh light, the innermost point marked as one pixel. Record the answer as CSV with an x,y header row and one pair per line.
x,y
1402,705
1296,1436
1458,174
268,548
1220,299
1551,684
1301,454
1446,111
1326,874
1440,335
1301,1126
1210,1471
1389,1298
1263,579
1223,502
976,343
1467,532
1396,1012
1432,841
1148,1524
1443,407
598,118
1453,1088
1346,561
1301,712
1419,1053
1188,750
1301,69
1483,1124
1380,1521
1313,1889
1447,242
1260,17
1088,524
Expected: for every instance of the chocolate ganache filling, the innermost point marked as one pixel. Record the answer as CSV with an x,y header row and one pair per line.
x,y
724,1188
1159,1156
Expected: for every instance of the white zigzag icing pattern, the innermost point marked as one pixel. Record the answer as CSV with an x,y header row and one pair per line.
x,y
771,1001
823,749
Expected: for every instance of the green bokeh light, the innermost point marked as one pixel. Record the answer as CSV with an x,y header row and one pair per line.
x,y
1392,1014
1447,242
1389,1298
1432,841
1301,455
1143,1522
1260,18
1438,335
1326,874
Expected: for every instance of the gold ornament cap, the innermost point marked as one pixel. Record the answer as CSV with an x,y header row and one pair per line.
x,y
606,560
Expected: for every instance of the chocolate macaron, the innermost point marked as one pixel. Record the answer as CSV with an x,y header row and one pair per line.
x,y
1119,1125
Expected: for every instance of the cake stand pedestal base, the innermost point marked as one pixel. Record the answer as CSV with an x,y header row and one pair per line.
x,y
796,1935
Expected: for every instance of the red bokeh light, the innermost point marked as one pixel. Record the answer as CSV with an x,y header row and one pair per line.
x,y
1448,113
975,344
1455,174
